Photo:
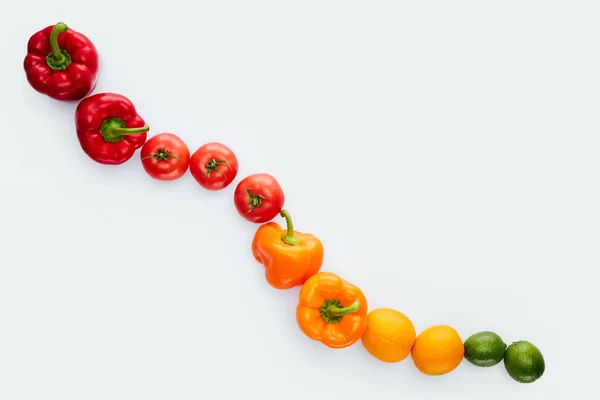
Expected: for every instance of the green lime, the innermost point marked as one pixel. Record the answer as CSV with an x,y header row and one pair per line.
x,y
524,362
484,349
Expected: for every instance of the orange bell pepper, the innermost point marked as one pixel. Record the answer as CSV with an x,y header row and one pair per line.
x,y
289,257
331,310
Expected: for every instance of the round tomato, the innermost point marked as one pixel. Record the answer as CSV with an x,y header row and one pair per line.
x,y
259,198
165,157
214,166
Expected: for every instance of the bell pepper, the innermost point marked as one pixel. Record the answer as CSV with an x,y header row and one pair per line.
x,y
61,63
331,310
289,257
109,128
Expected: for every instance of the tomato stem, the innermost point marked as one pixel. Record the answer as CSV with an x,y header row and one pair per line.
x,y
162,155
213,166
289,237
255,200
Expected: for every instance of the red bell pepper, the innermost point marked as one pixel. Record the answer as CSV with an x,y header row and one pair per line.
x,y
61,63
109,128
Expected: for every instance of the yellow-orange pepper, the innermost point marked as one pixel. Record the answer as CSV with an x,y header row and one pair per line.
x,y
289,257
331,310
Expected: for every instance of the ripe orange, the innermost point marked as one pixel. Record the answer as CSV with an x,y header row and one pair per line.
x,y
438,350
389,335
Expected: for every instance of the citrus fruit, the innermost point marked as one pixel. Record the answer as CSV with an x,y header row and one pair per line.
x,y
524,362
484,349
438,350
389,335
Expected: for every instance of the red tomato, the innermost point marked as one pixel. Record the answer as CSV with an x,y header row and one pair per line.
x,y
259,198
214,166
165,157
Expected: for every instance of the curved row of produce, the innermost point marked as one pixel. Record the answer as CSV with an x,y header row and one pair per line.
x,y
63,64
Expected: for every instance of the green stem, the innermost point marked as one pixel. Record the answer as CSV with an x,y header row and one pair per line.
x,y
338,312
131,131
289,237
213,166
58,59
59,28
161,155
332,311
254,201
114,130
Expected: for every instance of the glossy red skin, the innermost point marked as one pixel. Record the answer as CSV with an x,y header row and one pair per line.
x,y
266,185
171,168
74,83
89,116
225,173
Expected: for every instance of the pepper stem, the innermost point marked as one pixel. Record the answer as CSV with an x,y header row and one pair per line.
x,y
332,311
59,28
338,312
131,131
289,237
114,130
58,59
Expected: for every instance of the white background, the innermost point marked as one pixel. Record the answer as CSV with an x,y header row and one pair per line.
x,y
446,153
